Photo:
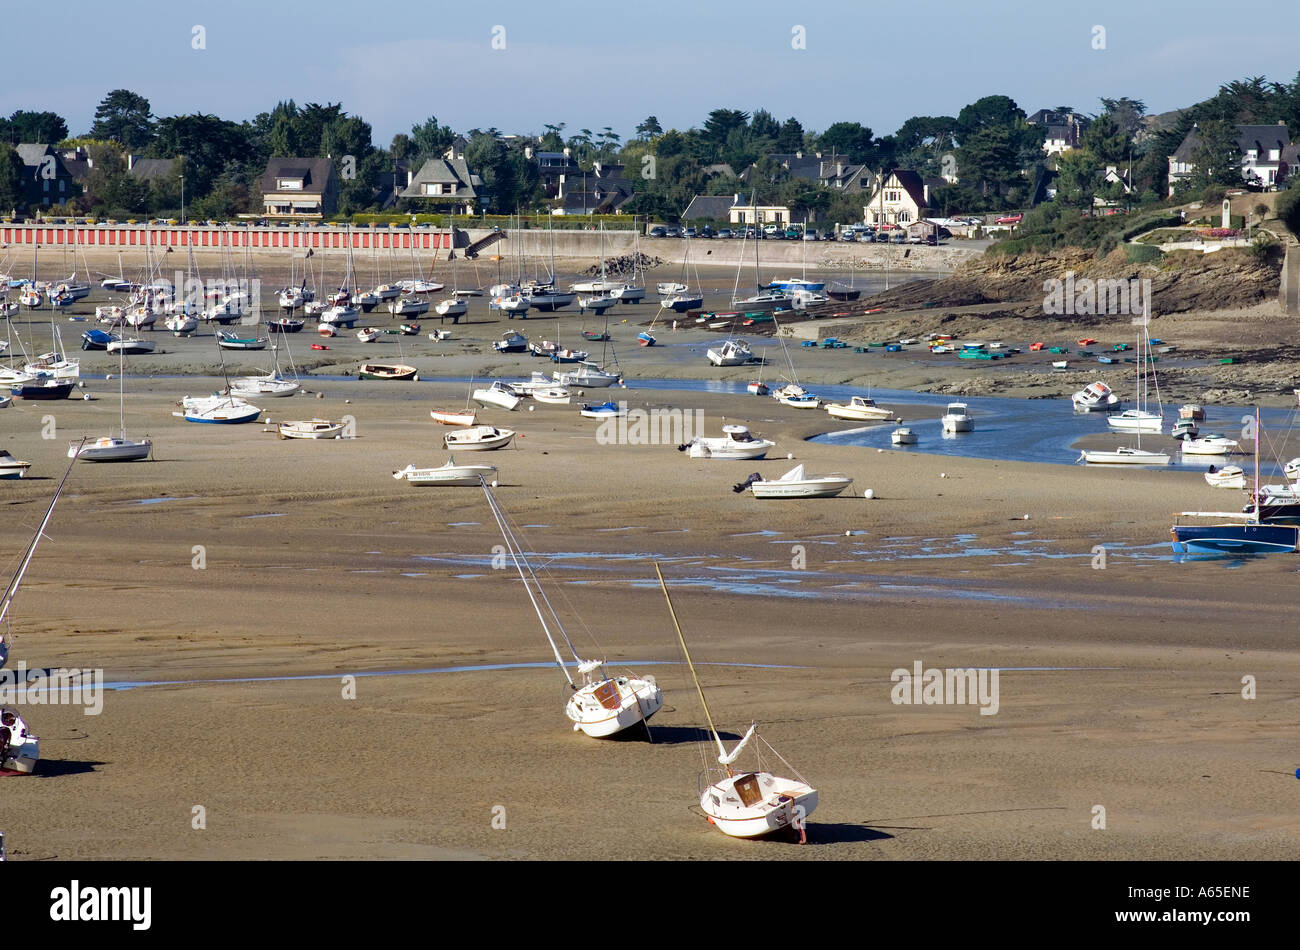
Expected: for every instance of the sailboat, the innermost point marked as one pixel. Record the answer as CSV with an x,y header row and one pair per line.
x,y
110,448
1137,420
601,705
544,296
745,804
453,306
633,291
793,394
272,384
1248,534
679,297
1141,419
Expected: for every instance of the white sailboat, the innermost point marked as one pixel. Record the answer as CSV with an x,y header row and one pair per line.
x,y
1137,420
1141,418
111,448
746,804
601,705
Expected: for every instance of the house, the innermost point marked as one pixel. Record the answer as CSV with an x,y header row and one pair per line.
x,y
150,169
840,174
46,179
592,194
554,169
742,212
299,188
446,184
1063,129
710,208
899,197
78,163
1267,156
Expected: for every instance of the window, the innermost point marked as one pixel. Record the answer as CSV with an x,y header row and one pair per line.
x,y
288,184
1273,155
62,183
434,188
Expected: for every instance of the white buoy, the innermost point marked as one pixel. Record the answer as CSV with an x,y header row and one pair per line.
x,y
943,474
789,455
1026,517
869,493
848,534
320,395
532,408
494,483
347,402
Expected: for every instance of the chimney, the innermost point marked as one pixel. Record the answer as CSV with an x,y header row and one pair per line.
x,y
798,154
410,176
566,151
528,152
925,194
130,161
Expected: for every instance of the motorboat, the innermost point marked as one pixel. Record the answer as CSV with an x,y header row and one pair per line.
x,y
1185,429
757,388
526,387
792,394
311,429
367,301
587,375
499,394
858,409
511,342
682,302
96,340
1095,397
957,418
447,474
341,315
452,417
731,353
796,484
1192,411
478,438
388,371
1212,444
11,467
554,395
737,442
45,387
628,293
902,436
669,288
596,303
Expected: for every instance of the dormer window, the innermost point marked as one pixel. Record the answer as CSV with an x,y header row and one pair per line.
x,y
288,184
433,188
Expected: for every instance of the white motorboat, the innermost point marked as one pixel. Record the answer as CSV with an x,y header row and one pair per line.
x,y
587,375
859,409
957,418
478,439
499,394
452,417
420,286
669,288
605,410
1210,445
1230,476
368,334
737,442
902,436
744,804
806,299
1095,397
311,429
386,292
367,301
11,467
554,395
111,315
526,387
796,484
133,346
792,394
1124,456
731,353
54,364
447,474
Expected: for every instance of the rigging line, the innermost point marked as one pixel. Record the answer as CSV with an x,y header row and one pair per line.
x,y
783,760
511,547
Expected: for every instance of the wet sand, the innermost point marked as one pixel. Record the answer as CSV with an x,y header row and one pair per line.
x,y
1121,686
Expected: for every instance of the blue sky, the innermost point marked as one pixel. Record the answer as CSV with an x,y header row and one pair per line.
x,y
592,65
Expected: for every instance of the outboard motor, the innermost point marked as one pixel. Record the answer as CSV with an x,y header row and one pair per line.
x,y
756,477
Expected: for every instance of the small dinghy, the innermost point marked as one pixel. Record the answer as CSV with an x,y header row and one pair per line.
x,y
603,411
388,371
228,341
452,417
1230,476
737,442
368,334
311,429
554,395
757,388
478,439
795,484
447,474
96,340
903,436
218,410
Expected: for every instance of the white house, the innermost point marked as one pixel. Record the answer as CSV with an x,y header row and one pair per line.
x,y
901,197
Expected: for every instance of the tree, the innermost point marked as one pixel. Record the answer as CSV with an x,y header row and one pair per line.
x,y
790,138
720,124
1215,155
124,117
1076,182
989,112
210,144
763,125
1105,140
852,139
11,178
1127,113
430,138
35,127
647,129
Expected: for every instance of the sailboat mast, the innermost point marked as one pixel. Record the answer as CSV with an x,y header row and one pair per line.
x,y
689,663
12,590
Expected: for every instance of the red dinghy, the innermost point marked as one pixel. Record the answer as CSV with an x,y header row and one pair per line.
x,y
319,346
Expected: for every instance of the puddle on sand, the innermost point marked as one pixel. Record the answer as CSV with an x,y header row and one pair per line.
x,y
273,514
758,534
161,498
415,574
461,524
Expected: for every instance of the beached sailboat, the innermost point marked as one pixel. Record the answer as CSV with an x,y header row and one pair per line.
x,y
111,448
1141,419
311,429
478,439
1132,420
745,804
600,705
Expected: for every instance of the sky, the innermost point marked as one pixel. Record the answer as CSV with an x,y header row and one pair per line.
x,y
613,64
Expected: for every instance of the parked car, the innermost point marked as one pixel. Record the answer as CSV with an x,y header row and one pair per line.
x,y
810,234
690,233
725,233
847,235
898,238
659,232
771,230
674,233
1010,219
708,232
793,234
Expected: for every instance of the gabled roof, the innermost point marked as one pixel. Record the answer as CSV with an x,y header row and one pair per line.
x,y
715,207
148,169
446,171
1262,138
602,194
31,153
910,182
316,174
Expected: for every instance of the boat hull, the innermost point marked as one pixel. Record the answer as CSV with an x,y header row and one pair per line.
x,y
639,700
1235,539
827,487
111,450
794,808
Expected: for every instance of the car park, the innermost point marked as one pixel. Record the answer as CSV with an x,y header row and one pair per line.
x,y
659,232
725,233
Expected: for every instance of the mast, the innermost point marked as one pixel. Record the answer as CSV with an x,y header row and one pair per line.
x,y
722,752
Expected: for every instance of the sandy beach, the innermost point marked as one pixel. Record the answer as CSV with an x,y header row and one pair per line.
x,y
1120,687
